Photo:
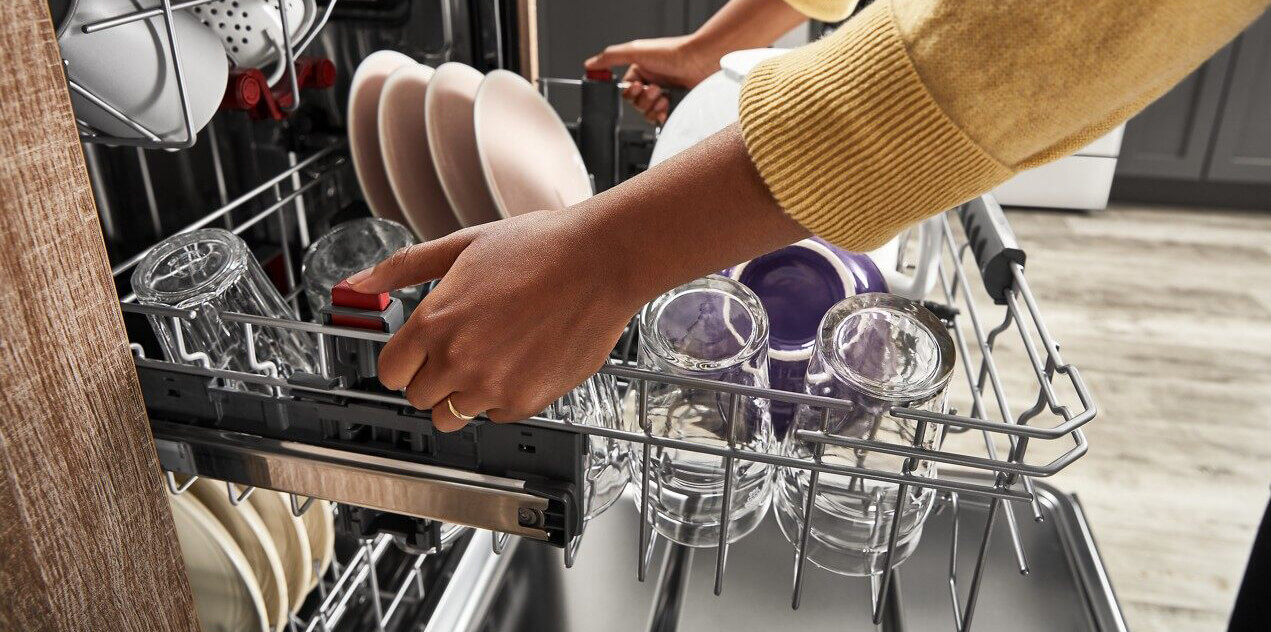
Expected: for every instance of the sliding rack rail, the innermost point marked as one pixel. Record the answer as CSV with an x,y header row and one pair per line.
x,y
368,447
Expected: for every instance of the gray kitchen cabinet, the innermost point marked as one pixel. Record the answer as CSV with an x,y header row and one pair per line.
x,y
1215,126
1242,146
1170,138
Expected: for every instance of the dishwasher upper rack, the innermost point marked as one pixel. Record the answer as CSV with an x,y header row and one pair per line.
x,y
1000,267
165,11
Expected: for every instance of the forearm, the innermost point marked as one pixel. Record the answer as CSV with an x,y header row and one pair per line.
x,y
743,24
700,212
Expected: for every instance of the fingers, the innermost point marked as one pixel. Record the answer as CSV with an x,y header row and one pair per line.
x,y
658,113
615,55
647,97
412,265
445,420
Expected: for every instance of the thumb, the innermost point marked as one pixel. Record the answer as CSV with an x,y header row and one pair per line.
x,y
615,55
412,265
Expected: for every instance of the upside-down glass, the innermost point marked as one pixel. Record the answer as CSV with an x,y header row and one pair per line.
x,y
874,351
348,248
713,328
595,403
211,271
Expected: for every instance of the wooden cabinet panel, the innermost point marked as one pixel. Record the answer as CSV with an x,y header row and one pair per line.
x,y
1170,138
87,540
1242,145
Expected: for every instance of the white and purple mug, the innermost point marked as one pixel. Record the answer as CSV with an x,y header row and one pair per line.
x,y
797,285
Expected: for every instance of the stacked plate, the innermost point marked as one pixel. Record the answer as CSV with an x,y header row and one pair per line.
x,y
445,148
252,564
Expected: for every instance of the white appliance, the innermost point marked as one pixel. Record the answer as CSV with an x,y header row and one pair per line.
x,y
1080,181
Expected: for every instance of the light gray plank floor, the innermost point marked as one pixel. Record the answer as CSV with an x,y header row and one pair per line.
x,y
1168,314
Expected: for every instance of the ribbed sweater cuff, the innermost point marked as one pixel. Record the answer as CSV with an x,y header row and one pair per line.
x,y
850,142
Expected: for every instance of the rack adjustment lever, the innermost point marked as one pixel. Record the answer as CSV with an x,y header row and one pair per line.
x,y
359,359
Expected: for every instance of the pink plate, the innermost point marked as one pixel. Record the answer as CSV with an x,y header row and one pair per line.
x,y
453,144
364,133
528,156
404,140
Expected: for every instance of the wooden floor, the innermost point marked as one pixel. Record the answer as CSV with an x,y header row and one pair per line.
x,y
1168,314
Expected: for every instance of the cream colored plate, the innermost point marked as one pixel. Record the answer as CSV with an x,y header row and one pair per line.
x,y
291,539
407,159
251,535
364,133
453,143
225,592
529,159
320,525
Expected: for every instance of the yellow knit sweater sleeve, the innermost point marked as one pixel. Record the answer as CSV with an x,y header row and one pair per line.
x,y
915,106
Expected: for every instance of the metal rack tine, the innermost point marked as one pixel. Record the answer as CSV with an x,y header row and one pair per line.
x,y
373,586
977,576
571,547
235,498
953,560
498,542
893,535
721,552
175,489
298,509
645,545
801,553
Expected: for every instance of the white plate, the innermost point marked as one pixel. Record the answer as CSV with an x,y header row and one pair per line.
x,y
710,106
364,133
407,159
225,592
251,535
453,143
529,159
320,527
291,539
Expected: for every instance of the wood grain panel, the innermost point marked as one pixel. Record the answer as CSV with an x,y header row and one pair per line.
x,y
88,541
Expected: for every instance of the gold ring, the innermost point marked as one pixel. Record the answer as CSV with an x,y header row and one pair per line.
x,y
454,411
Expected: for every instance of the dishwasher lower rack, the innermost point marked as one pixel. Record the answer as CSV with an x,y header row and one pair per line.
x,y
370,448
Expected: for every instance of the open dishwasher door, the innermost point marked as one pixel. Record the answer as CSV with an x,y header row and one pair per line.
x,y
528,589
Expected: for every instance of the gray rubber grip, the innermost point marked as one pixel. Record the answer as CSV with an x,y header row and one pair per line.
x,y
993,244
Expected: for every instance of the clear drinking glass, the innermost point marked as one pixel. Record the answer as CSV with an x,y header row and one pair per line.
x,y
348,248
211,271
713,328
595,403
874,351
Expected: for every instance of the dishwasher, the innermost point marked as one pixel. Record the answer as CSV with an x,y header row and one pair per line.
x,y
1002,550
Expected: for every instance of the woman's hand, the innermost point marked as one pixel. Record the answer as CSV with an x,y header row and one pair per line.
x,y
655,64
683,62
527,308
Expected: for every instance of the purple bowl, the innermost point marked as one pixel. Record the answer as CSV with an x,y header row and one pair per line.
x,y
797,285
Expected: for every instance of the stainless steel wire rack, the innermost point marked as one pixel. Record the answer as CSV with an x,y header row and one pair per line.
x,y
165,11
981,271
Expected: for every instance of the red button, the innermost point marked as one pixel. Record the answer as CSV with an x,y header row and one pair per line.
x,y
343,295
600,74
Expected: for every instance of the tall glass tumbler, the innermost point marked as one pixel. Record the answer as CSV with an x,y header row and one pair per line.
x,y
348,248
595,403
713,328
211,271
875,351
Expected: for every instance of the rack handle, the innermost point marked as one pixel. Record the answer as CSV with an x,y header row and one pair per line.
x,y
993,243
